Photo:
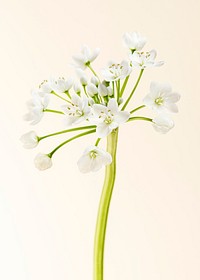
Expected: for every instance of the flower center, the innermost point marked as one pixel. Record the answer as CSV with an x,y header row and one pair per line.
x,y
159,101
79,113
93,154
108,120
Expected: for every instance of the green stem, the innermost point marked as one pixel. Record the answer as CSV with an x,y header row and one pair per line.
x,y
124,85
138,108
139,119
69,140
132,92
67,130
97,142
54,93
92,70
102,217
52,111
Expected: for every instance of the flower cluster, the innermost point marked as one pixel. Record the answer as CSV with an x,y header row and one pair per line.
x,y
99,104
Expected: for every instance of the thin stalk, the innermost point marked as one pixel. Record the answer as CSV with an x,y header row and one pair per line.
x,y
54,93
102,217
92,70
139,119
69,140
66,130
136,109
97,142
53,111
124,85
132,92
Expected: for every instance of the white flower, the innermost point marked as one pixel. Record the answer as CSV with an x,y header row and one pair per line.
x,y
36,107
162,123
42,161
77,111
134,41
93,159
45,87
116,72
77,88
143,60
108,118
91,89
161,98
82,76
61,85
105,91
30,140
94,80
86,57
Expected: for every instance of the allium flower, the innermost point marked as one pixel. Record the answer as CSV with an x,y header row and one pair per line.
x,y
46,87
142,60
93,159
105,91
161,98
42,162
36,107
108,117
82,77
134,41
162,123
77,88
116,72
91,89
29,140
61,85
86,57
77,111
94,80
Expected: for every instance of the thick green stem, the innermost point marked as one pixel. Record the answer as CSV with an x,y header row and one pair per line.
x,y
102,217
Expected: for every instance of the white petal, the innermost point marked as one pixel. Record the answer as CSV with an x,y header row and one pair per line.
x,y
173,97
84,163
42,162
171,107
122,117
113,106
103,130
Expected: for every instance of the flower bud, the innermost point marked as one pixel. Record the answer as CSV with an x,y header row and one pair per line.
x,y
42,162
29,140
94,81
102,89
91,90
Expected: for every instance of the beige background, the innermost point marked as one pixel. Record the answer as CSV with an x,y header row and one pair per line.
x,y
47,219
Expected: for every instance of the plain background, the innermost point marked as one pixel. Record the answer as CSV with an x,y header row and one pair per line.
x,y
47,219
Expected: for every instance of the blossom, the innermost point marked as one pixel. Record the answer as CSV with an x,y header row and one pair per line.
x,y
91,89
30,140
145,59
36,107
162,123
108,117
42,161
76,111
82,76
104,90
46,87
134,41
116,71
93,159
86,57
94,80
77,88
61,85
161,98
